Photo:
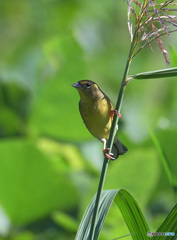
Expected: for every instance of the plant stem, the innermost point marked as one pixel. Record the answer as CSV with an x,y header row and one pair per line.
x,y
121,93
98,196
110,141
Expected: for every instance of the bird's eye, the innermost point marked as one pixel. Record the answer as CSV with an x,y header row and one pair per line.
x,y
88,85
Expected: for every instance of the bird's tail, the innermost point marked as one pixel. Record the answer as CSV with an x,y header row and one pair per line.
x,y
118,148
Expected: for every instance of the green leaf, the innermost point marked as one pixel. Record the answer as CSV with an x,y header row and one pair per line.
x,y
169,225
130,211
30,186
164,73
132,215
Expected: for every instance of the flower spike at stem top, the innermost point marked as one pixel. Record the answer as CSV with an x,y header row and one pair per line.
x,y
152,20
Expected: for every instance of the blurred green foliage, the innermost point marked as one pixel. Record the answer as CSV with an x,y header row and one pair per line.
x,y
49,163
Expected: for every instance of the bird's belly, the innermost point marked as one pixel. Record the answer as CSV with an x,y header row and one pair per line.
x,y
101,131
98,121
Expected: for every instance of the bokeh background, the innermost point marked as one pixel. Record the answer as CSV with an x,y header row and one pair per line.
x,y
49,162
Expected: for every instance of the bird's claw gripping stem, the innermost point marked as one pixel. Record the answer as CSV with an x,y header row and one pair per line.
x,y
115,112
110,155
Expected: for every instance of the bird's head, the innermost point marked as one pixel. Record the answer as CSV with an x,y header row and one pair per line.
x,y
88,90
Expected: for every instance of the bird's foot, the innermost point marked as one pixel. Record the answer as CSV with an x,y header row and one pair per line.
x,y
110,155
115,112
107,155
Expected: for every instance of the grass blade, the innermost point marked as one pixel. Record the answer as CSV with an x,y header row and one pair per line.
x,y
132,215
168,72
128,207
169,225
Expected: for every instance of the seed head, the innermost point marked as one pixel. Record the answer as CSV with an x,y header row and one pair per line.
x,y
149,21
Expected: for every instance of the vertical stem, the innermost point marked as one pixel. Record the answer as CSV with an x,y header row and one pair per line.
x,y
110,141
98,196
121,93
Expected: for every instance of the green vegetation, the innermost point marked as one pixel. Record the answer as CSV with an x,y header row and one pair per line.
x,y
49,163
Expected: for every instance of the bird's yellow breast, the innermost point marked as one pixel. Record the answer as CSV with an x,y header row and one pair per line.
x,y
96,116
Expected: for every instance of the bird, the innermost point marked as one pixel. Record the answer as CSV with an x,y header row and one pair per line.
x,y
97,113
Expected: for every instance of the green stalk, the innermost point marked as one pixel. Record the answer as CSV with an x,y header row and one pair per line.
x,y
98,196
111,140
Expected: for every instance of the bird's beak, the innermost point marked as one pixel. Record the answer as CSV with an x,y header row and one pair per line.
x,y
76,85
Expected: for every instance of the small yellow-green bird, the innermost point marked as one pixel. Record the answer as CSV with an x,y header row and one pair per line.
x,y
97,112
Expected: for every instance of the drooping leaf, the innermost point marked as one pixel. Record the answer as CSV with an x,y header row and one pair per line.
x,y
132,215
130,211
